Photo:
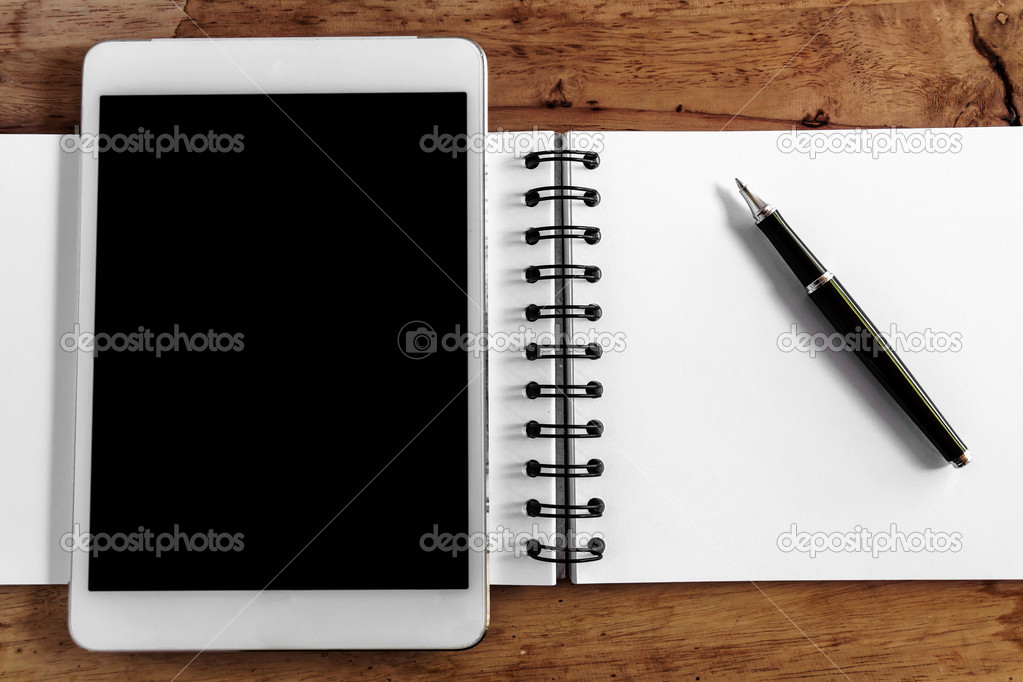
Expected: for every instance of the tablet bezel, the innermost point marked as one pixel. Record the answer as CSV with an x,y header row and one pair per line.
x,y
282,619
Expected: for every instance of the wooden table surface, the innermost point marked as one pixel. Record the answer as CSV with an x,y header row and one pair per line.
x,y
570,64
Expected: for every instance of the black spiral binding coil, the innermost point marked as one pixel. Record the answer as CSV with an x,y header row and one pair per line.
x,y
589,160
587,195
590,235
591,312
591,469
595,548
565,352
592,389
536,273
591,429
593,509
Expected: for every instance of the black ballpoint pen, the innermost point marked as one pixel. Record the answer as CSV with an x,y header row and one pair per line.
x,y
849,320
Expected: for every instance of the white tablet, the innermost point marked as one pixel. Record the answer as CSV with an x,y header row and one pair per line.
x,y
280,435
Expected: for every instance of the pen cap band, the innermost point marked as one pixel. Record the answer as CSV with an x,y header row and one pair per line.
x,y
791,248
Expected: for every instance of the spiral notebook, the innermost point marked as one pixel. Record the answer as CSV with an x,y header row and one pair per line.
x,y
703,446
685,434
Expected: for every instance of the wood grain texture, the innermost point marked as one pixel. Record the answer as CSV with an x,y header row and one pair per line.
x,y
689,64
572,64
829,631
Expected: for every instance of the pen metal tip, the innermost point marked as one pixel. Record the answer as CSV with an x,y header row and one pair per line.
x,y
758,206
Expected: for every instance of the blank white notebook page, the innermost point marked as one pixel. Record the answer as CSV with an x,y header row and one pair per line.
x,y
38,304
508,294
732,455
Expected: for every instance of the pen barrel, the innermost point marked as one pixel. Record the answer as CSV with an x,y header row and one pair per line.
x,y
791,248
865,341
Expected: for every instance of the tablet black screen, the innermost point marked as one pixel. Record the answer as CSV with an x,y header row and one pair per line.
x,y
296,259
